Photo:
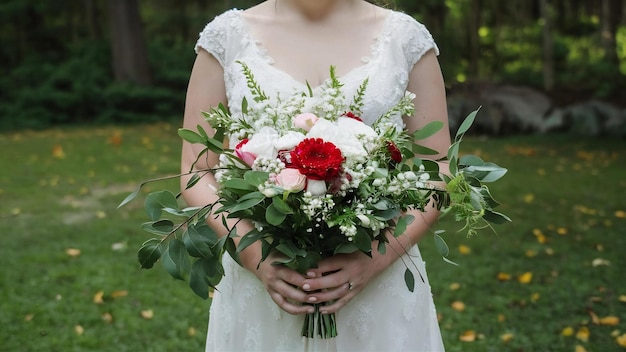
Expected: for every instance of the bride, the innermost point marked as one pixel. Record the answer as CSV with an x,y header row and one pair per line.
x,y
289,44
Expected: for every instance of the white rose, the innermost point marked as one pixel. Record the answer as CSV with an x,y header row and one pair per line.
x,y
262,143
343,134
289,140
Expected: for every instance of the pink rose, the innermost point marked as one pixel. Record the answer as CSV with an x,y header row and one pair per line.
x,y
291,180
305,121
247,157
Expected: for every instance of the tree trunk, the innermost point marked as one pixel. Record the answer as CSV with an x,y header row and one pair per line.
x,y
130,57
548,45
611,11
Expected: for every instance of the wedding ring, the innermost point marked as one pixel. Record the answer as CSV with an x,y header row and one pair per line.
x,y
350,286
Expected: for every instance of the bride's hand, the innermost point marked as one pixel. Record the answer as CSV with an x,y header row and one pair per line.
x,y
283,285
340,278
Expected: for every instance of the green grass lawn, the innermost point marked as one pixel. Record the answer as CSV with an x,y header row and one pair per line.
x,y
551,280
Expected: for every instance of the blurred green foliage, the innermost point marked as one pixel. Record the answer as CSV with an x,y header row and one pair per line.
x,y
57,58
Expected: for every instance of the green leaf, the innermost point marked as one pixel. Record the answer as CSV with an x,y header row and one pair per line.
x,y
199,240
130,197
149,253
495,217
175,259
193,180
159,227
256,178
388,214
471,160
428,130
409,279
198,280
442,247
422,150
274,216
156,201
239,184
246,204
382,247
465,125
281,205
249,239
346,248
402,224
191,136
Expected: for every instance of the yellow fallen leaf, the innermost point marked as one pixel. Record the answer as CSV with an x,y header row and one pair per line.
x,y
463,249
594,317
458,306
610,320
535,297
147,314
16,211
580,348
599,262
506,337
72,252
107,318
57,152
525,278
561,231
29,317
120,293
583,334
468,336
531,253
529,198
79,330
115,139
620,214
621,340
100,214
622,298
549,251
97,298
455,286
567,331
501,318
504,276
191,331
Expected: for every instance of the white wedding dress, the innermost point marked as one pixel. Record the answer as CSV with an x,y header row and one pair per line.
x,y
385,316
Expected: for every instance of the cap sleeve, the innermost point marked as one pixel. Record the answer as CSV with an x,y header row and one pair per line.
x,y
214,36
416,40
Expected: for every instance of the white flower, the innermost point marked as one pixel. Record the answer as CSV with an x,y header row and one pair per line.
x,y
316,187
289,140
345,133
262,143
365,221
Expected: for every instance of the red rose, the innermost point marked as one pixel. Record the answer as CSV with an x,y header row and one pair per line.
x,y
317,159
351,115
394,152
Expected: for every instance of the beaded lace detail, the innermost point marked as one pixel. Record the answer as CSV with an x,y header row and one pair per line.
x,y
385,316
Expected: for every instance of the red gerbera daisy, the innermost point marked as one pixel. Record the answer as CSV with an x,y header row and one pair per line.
x,y
317,159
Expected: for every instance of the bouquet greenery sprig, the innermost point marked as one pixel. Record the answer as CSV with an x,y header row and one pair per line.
x,y
314,183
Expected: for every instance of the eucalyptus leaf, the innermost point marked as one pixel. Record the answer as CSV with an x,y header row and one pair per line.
x,y
193,180
281,205
149,253
191,136
274,216
346,248
466,124
409,280
156,201
402,224
495,217
430,129
442,247
175,259
471,160
159,227
256,178
198,280
239,184
249,239
422,150
130,197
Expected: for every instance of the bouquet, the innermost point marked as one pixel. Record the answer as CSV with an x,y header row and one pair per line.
x,y
314,183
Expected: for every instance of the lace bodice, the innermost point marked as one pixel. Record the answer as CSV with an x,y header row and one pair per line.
x,y
401,43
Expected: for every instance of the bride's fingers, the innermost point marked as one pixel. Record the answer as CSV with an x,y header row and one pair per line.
x,y
288,306
331,295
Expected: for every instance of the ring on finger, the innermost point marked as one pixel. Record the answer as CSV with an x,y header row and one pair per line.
x,y
350,285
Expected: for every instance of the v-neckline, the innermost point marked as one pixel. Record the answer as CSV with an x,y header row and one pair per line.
x,y
374,53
